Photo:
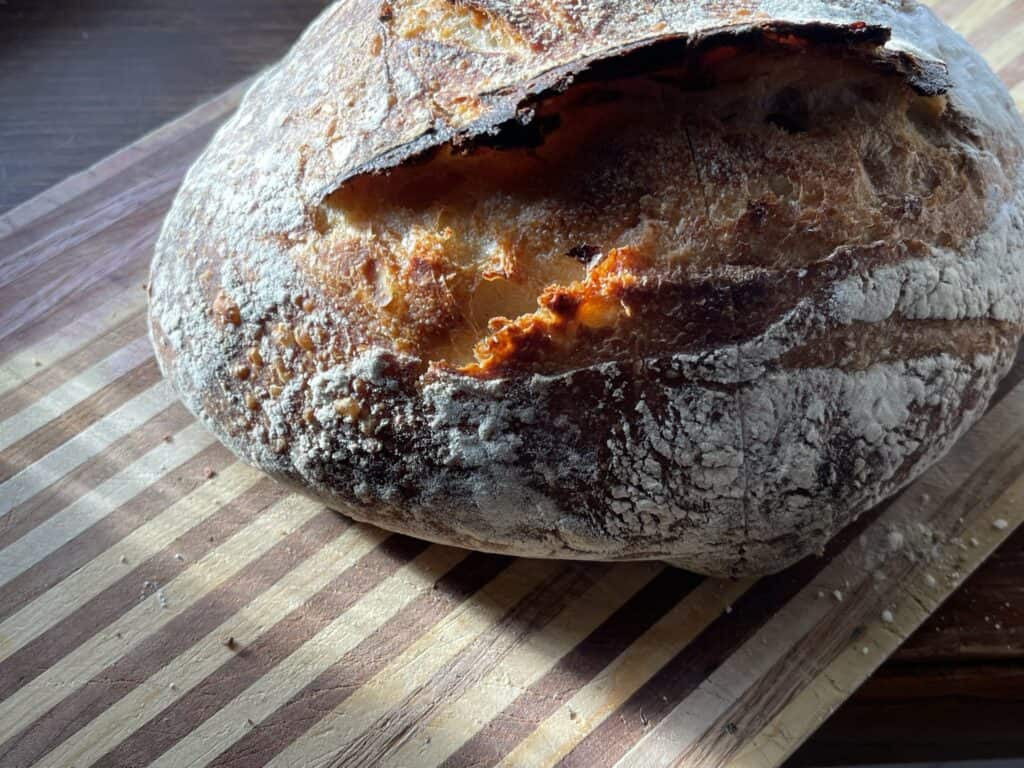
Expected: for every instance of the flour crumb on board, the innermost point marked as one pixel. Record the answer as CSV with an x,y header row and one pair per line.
x,y
930,580
837,595
123,560
1000,524
887,616
895,540
208,472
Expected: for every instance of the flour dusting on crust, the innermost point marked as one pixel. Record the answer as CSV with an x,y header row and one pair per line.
x,y
830,386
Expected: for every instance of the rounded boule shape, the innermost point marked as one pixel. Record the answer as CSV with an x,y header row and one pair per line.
x,y
602,282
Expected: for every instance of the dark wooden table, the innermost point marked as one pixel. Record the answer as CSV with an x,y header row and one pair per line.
x,y
81,78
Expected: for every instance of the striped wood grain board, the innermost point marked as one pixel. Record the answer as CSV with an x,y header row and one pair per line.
x,y
162,604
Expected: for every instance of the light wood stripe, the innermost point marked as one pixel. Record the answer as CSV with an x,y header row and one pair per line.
x,y
972,18
87,510
1018,95
75,391
47,380
88,326
350,628
571,722
150,614
153,695
1006,48
413,668
446,730
683,728
914,600
83,446
88,581
693,716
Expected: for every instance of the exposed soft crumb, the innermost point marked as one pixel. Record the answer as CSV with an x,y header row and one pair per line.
x,y
999,524
930,580
887,616
837,595
208,472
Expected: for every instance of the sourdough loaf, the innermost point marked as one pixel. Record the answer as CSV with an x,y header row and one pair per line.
x,y
690,281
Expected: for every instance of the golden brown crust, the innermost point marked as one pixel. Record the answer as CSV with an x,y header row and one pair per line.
x,y
691,306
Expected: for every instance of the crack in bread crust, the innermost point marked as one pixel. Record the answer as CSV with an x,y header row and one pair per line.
x,y
689,406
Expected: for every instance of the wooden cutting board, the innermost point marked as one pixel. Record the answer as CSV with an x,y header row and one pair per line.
x,y
161,603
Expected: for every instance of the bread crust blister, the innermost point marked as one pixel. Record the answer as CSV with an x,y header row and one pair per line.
x,y
698,282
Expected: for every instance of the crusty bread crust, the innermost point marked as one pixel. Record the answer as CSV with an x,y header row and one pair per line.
x,y
765,324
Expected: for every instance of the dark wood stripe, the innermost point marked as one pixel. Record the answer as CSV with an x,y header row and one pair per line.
x,y
76,197
149,503
92,473
51,317
252,662
360,664
66,425
647,707
58,641
577,668
530,615
72,264
42,383
185,630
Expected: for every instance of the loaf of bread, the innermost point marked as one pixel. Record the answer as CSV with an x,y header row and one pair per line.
x,y
689,281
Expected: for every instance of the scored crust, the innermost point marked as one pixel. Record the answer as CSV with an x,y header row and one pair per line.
x,y
700,285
